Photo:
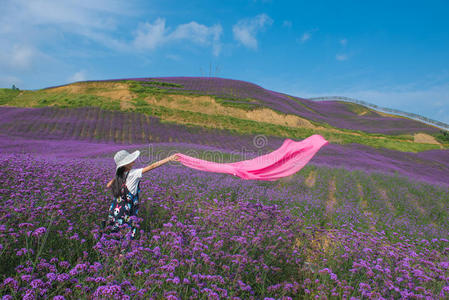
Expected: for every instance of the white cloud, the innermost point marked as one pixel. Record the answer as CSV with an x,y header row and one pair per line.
x,y
19,57
77,13
26,27
341,57
287,23
199,34
22,56
29,29
307,35
78,76
150,36
245,30
173,57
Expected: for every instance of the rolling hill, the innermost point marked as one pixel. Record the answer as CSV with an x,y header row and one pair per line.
x,y
226,114
239,107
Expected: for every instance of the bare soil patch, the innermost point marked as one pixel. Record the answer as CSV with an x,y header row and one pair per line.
x,y
208,105
363,203
425,139
112,90
384,197
310,181
363,113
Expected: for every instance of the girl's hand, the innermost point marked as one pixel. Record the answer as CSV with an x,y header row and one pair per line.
x,y
174,157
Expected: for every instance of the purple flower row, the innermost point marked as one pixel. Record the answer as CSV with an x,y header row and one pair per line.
x,y
226,239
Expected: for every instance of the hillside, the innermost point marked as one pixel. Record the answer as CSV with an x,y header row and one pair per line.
x,y
229,116
238,107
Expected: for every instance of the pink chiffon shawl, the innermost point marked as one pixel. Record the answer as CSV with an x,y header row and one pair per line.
x,y
291,157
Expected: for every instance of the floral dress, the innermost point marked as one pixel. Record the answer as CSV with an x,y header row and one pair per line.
x,y
124,207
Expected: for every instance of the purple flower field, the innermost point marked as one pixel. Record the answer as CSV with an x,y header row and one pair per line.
x,y
334,113
355,223
214,236
349,234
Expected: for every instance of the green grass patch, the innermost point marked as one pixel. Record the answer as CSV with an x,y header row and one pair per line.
x,y
165,84
7,95
44,98
356,108
247,104
442,136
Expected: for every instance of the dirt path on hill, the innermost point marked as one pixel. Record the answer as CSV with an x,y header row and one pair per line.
x,y
364,206
331,200
310,181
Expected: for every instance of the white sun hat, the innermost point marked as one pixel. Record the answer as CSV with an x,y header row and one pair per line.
x,y
122,158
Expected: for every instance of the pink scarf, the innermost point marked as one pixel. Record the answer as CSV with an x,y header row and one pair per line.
x,y
291,157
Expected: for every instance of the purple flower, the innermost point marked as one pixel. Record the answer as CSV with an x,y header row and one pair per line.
x,y
325,270
64,264
79,268
109,291
24,251
39,232
51,276
36,283
22,225
63,277
29,295
243,286
444,291
157,251
12,283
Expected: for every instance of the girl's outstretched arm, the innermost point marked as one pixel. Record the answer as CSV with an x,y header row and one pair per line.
x,y
159,163
110,183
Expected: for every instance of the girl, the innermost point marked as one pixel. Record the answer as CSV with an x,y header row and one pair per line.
x,y
126,187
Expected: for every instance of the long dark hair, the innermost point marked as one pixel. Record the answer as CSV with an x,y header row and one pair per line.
x,y
118,182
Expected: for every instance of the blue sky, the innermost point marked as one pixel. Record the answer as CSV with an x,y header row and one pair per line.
x,y
391,53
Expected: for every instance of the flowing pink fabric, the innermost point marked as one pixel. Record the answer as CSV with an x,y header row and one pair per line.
x,y
291,157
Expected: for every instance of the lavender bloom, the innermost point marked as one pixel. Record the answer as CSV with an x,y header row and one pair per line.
x,y
39,232
110,291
